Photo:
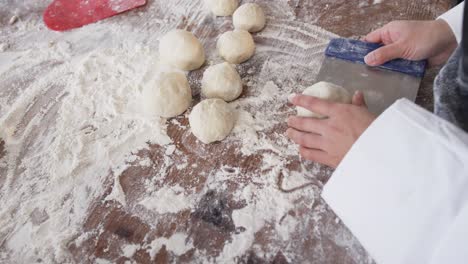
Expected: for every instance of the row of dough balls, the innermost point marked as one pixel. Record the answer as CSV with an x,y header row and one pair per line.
x,y
181,49
212,120
248,17
169,94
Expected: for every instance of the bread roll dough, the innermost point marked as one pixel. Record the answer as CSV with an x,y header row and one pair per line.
x,y
222,7
167,95
236,46
211,120
327,91
222,81
181,49
249,17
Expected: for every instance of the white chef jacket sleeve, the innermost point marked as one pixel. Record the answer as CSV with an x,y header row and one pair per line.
x,y
402,189
454,17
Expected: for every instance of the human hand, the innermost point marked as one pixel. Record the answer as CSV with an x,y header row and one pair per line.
x,y
412,40
327,141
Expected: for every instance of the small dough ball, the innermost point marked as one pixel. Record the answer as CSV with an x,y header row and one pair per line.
x,y
327,91
249,17
222,7
181,49
236,46
211,120
168,95
222,81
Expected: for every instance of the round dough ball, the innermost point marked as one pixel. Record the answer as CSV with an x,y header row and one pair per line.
x,y
249,17
222,81
222,7
236,46
327,91
181,49
211,120
168,95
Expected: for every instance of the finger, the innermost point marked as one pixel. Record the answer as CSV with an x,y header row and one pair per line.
x,y
313,104
383,54
308,140
375,36
358,99
316,155
306,124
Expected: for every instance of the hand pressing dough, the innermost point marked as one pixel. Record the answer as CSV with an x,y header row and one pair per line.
x,y
211,120
222,81
222,7
249,17
168,95
236,46
181,49
327,91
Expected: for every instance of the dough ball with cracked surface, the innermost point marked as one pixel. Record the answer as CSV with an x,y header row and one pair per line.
x,y
222,7
211,120
327,91
168,95
236,46
249,17
181,49
222,81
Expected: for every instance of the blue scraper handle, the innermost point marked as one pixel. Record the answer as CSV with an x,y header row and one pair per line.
x,y
355,51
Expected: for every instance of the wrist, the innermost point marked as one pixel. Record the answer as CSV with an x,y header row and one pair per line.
x,y
444,32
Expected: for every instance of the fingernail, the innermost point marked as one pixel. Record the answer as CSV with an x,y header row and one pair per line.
x,y
291,96
369,59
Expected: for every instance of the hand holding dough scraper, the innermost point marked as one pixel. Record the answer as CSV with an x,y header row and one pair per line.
x,y
63,15
344,65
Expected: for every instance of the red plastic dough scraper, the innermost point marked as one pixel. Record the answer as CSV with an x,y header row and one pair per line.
x,y
63,15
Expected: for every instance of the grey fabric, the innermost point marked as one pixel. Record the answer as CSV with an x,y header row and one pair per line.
x,y
451,100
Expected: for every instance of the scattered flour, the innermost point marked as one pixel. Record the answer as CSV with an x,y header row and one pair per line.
x,y
92,107
3,47
70,119
170,150
102,261
178,244
250,126
164,201
129,250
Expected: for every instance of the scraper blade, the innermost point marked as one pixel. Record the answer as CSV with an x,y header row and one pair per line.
x,y
382,86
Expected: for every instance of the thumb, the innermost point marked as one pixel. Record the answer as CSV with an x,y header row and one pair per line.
x,y
358,99
383,54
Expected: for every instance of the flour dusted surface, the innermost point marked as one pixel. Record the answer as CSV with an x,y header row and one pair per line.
x,y
85,177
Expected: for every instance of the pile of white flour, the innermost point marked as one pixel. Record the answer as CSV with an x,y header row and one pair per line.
x,y
71,122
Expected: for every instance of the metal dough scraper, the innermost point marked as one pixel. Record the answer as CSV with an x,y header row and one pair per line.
x,y
344,65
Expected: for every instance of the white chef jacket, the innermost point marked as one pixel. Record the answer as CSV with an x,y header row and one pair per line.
x,y
402,189
454,17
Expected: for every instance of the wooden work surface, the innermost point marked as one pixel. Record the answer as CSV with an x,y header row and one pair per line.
x,y
209,224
